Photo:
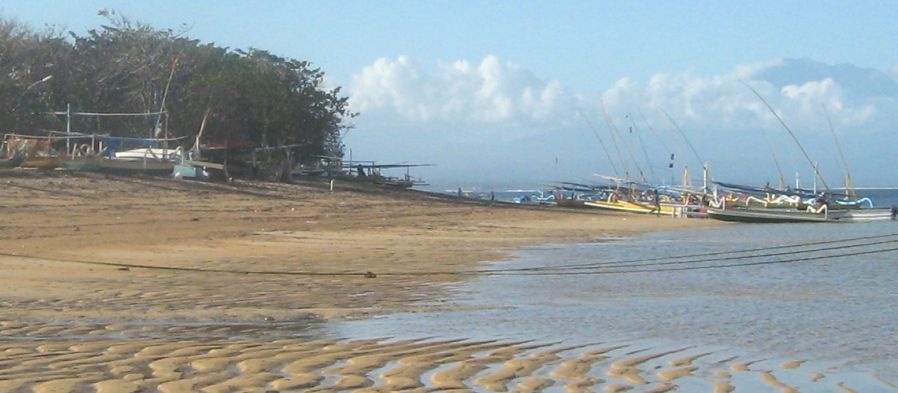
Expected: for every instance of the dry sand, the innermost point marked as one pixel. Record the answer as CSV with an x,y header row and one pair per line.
x,y
101,291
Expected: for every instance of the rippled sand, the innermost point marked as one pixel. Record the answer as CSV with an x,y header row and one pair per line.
x,y
43,364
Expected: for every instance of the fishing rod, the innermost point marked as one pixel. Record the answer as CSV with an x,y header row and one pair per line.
x,y
792,134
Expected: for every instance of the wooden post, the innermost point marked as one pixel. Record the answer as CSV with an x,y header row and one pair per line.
x,y
68,126
254,164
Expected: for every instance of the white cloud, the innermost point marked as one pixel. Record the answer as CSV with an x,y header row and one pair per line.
x,y
724,102
396,84
486,93
506,99
807,102
532,119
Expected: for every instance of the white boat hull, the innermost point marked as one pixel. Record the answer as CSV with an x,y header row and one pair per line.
x,y
865,215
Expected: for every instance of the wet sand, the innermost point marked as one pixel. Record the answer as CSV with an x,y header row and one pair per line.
x,y
118,284
376,365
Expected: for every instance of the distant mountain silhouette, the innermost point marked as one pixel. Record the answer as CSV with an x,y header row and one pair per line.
x,y
855,81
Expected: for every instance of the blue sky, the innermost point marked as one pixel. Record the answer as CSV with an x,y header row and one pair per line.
x,y
497,93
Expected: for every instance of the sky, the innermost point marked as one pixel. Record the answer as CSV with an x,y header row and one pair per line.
x,y
521,94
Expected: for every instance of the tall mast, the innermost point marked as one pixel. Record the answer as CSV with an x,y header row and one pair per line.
x,y
162,108
849,184
605,149
682,134
642,146
614,139
776,161
792,134
629,147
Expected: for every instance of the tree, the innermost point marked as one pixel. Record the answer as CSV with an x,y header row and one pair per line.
x,y
28,61
130,67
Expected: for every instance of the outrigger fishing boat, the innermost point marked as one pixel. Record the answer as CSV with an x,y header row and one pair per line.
x,y
148,158
370,172
865,215
757,215
31,152
821,209
767,204
773,215
646,202
575,195
11,162
10,158
730,208
632,207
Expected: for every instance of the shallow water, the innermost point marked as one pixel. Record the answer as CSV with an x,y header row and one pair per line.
x,y
840,311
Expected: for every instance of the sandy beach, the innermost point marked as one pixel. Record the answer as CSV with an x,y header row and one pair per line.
x,y
122,284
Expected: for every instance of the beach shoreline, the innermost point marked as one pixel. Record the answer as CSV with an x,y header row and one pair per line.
x,y
53,221
127,284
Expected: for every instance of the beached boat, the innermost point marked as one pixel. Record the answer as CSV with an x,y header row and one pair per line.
x,y
773,215
129,165
11,162
149,153
42,162
865,215
570,202
632,207
29,152
858,203
82,163
142,160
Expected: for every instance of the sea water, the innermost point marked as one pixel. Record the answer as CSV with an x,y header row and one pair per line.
x,y
805,304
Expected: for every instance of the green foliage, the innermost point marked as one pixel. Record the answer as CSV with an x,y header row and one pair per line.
x,y
129,67
26,58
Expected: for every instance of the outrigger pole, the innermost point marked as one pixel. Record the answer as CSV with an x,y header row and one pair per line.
x,y
792,134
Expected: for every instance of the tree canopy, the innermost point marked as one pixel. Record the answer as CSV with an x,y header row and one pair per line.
x,y
130,67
